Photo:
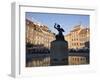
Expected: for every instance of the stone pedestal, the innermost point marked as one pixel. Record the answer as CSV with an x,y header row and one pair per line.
x,y
59,52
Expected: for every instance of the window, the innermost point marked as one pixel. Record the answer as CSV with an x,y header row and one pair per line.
x,y
74,44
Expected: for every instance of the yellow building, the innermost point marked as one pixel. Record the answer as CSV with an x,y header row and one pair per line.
x,y
38,34
77,37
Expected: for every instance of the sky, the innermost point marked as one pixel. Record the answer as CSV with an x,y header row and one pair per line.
x,y
66,21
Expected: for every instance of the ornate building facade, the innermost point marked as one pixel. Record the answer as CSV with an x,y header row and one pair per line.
x,y
38,34
78,37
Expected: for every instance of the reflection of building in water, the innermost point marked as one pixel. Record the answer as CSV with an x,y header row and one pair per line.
x,y
78,38
78,58
73,59
37,34
37,62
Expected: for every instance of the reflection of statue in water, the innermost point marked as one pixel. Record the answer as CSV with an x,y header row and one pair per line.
x,y
60,30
